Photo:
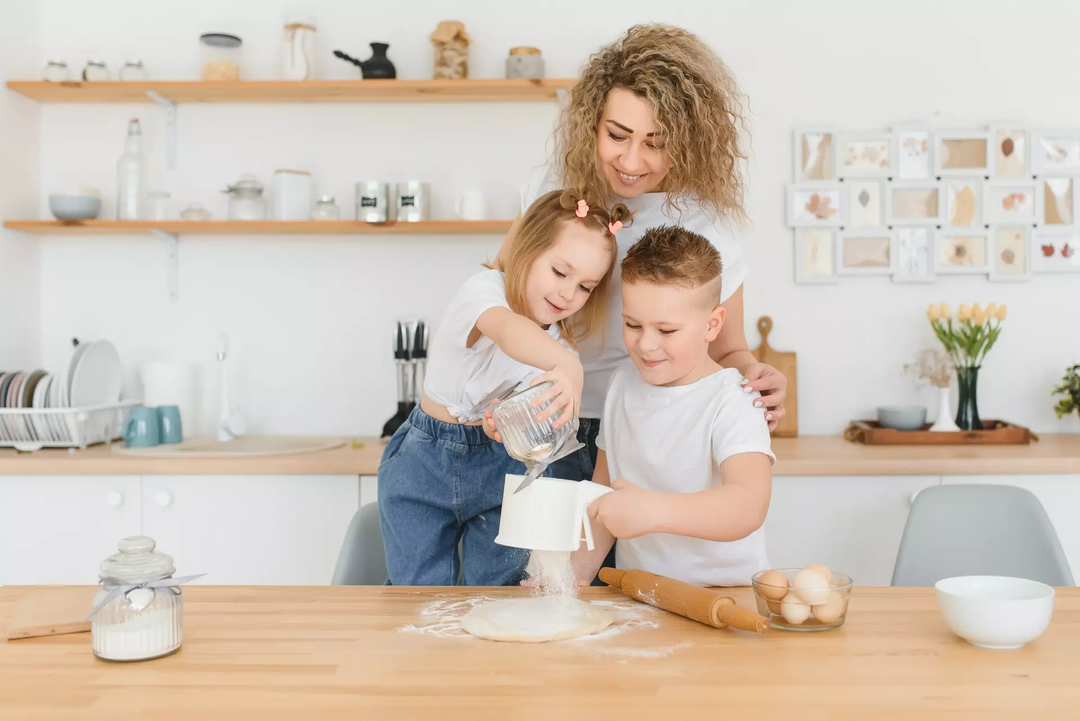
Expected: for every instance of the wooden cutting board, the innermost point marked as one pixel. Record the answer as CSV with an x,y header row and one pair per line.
x,y
51,611
785,363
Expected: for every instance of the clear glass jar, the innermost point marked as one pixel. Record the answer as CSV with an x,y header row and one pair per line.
x,y
132,70
195,211
157,205
326,209
143,623
56,71
95,71
219,56
246,201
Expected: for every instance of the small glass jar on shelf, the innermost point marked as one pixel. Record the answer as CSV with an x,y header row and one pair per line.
x,y
56,71
219,56
132,71
95,71
157,205
246,201
326,209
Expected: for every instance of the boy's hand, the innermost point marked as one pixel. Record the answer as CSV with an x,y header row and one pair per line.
x,y
628,512
568,380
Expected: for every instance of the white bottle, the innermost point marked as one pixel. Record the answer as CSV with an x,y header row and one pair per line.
x,y
131,175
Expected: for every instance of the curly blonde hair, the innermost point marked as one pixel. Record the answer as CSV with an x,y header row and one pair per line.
x,y
696,103
539,230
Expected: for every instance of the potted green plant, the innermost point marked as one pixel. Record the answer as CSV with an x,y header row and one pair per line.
x,y
1070,388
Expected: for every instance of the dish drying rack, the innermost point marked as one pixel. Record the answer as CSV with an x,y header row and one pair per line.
x,y
29,429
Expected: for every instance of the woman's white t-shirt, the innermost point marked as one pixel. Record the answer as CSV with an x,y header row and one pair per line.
x,y
650,211
466,380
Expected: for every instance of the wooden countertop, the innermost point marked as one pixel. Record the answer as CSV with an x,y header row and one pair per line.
x,y
803,456
341,653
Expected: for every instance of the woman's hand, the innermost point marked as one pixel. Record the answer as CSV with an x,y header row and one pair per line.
x,y
568,380
772,385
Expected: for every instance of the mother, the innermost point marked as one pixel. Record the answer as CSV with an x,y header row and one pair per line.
x,y
654,122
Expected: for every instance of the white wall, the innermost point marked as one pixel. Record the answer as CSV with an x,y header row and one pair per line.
x,y
20,319
310,316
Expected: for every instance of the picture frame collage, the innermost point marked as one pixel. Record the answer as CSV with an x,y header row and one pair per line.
x,y
915,202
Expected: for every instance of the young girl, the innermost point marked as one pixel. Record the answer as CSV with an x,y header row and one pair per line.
x,y
513,325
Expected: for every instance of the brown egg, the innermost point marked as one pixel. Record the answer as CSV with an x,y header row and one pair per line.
x,y
831,610
821,569
774,606
773,585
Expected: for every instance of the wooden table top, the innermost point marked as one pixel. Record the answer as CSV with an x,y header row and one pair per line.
x,y
803,456
359,653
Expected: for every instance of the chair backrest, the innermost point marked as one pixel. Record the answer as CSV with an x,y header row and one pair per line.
x,y
362,561
966,530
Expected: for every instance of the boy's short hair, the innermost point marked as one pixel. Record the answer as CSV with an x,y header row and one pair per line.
x,y
671,255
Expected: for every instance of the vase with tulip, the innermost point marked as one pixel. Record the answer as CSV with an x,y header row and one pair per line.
x,y
967,341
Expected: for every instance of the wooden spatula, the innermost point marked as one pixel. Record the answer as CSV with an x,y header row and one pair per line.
x,y
785,363
52,611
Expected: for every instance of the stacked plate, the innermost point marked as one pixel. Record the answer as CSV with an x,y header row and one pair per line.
x,y
92,377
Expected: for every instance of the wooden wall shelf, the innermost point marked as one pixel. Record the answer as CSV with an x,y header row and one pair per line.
x,y
306,91
259,227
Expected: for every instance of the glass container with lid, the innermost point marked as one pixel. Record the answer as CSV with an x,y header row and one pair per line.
x,y
326,209
246,201
56,71
219,56
138,622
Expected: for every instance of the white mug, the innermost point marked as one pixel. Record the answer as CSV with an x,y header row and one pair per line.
x,y
549,515
470,206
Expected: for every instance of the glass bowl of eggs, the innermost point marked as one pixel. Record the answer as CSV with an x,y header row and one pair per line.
x,y
812,598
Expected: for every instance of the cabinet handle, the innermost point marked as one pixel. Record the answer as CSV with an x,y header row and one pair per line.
x,y
163,499
114,499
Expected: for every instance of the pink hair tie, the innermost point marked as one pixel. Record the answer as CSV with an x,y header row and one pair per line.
x,y
582,209
615,227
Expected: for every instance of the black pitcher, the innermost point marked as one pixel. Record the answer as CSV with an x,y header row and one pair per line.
x,y
378,66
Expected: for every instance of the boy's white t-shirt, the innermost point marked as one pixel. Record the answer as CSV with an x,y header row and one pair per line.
x,y
650,211
466,380
673,440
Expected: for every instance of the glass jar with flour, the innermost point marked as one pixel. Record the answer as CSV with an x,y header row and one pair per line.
x,y
138,612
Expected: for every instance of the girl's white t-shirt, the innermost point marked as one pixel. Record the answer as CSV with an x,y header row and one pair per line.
x,y
650,211
466,380
673,440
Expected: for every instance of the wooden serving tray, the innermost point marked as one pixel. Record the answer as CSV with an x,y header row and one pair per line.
x,y
872,433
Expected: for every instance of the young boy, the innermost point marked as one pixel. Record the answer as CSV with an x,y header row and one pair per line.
x,y
681,443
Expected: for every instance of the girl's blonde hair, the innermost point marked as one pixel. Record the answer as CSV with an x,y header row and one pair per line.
x,y
696,103
539,229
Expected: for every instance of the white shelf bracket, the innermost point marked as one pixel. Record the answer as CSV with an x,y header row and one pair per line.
x,y
172,262
170,126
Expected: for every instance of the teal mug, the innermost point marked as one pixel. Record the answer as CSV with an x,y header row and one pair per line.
x,y
169,428
141,428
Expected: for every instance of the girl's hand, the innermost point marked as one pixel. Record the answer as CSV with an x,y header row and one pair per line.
x,y
772,384
628,512
568,380
489,428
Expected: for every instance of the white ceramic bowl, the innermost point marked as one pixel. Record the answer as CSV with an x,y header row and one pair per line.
x,y
76,204
995,611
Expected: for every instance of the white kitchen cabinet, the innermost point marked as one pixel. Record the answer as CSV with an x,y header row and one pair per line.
x,y
1059,495
852,524
251,530
58,529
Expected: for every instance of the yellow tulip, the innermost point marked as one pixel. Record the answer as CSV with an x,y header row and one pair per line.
x,y
932,313
965,313
976,310
1002,311
946,311
979,319
991,310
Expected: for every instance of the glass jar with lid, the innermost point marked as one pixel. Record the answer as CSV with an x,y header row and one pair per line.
x,y
246,201
326,209
56,71
95,71
219,56
132,71
138,623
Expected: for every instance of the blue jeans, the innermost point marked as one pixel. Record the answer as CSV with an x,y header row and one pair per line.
x,y
580,466
441,484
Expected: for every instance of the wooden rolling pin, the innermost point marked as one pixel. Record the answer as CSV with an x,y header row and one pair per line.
x,y
699,604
